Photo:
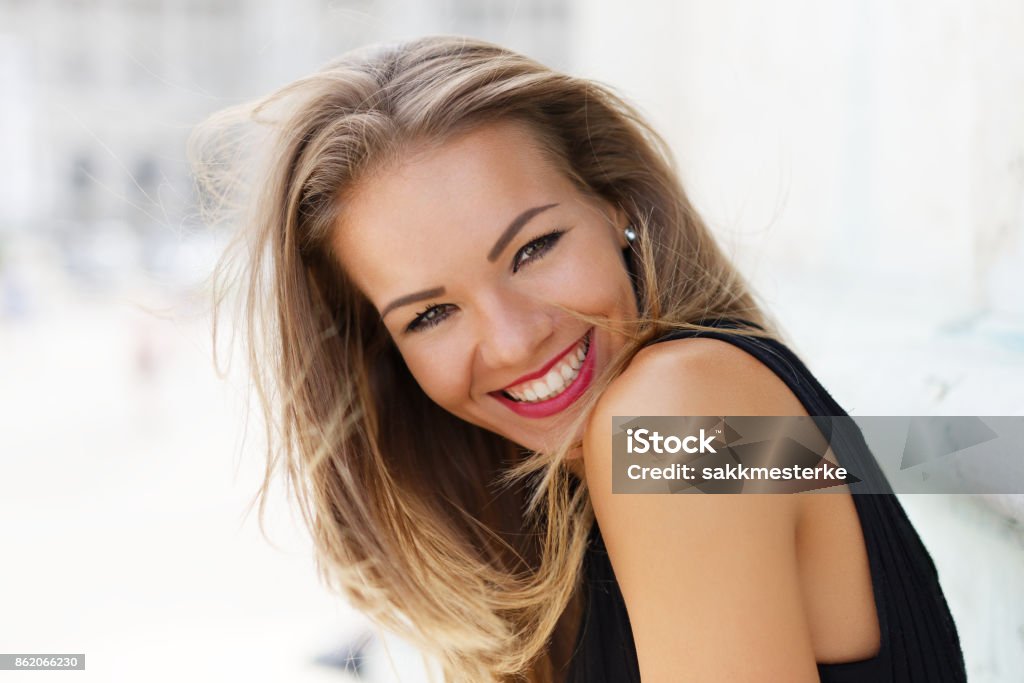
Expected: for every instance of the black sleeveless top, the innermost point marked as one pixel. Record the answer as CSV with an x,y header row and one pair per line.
x,y
919,641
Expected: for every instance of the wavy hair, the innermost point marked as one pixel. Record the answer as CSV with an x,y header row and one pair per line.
x,y
447,534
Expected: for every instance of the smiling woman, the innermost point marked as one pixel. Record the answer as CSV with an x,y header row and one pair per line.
x,y
488,332
457,265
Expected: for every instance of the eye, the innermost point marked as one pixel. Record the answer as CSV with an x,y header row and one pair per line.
x,y
536,249
429,317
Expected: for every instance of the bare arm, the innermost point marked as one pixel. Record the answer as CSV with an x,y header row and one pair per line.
x,y
710,582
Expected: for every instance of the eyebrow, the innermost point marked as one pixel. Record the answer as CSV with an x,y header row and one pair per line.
x,y
513,229
509,234
412,298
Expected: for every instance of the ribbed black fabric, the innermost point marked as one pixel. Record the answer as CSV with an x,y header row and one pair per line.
x,y
919,641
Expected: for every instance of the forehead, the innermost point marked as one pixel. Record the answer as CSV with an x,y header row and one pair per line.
x,y
437,211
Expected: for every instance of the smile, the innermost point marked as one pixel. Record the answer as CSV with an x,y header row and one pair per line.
x,y
556,386
556,380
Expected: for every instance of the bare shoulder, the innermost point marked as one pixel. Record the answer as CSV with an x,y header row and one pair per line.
x,y
711,582
699,376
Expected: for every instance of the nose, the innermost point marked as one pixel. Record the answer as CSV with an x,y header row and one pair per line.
x,y
512,330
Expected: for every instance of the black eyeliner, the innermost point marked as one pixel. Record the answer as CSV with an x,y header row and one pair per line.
x,y
550,238
418,323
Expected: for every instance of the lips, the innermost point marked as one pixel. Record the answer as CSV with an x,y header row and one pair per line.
x,y
562,373
555,386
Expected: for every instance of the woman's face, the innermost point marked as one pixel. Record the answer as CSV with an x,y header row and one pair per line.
x,y
465,249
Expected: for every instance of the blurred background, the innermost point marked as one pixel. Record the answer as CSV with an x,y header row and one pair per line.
x,y
862,161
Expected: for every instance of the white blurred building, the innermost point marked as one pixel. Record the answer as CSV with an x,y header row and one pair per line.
x,y
16,115
873,142
98,96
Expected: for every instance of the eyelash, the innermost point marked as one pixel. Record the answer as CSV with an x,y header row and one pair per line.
x,y
545,241
542,245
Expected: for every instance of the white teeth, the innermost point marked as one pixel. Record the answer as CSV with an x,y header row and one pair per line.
x,y
557,379
554,380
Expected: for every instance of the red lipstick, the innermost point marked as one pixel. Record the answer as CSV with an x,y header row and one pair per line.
x,y
539,409
544,370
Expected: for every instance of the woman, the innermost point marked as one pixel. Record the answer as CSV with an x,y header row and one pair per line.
x,y
458,266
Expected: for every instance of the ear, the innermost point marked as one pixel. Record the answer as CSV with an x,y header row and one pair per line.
x,y
621,222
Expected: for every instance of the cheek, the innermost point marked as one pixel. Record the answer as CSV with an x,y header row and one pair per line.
x,y
592,282
441,374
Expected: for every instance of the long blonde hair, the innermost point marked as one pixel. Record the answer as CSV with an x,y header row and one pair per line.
x,y
445,533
